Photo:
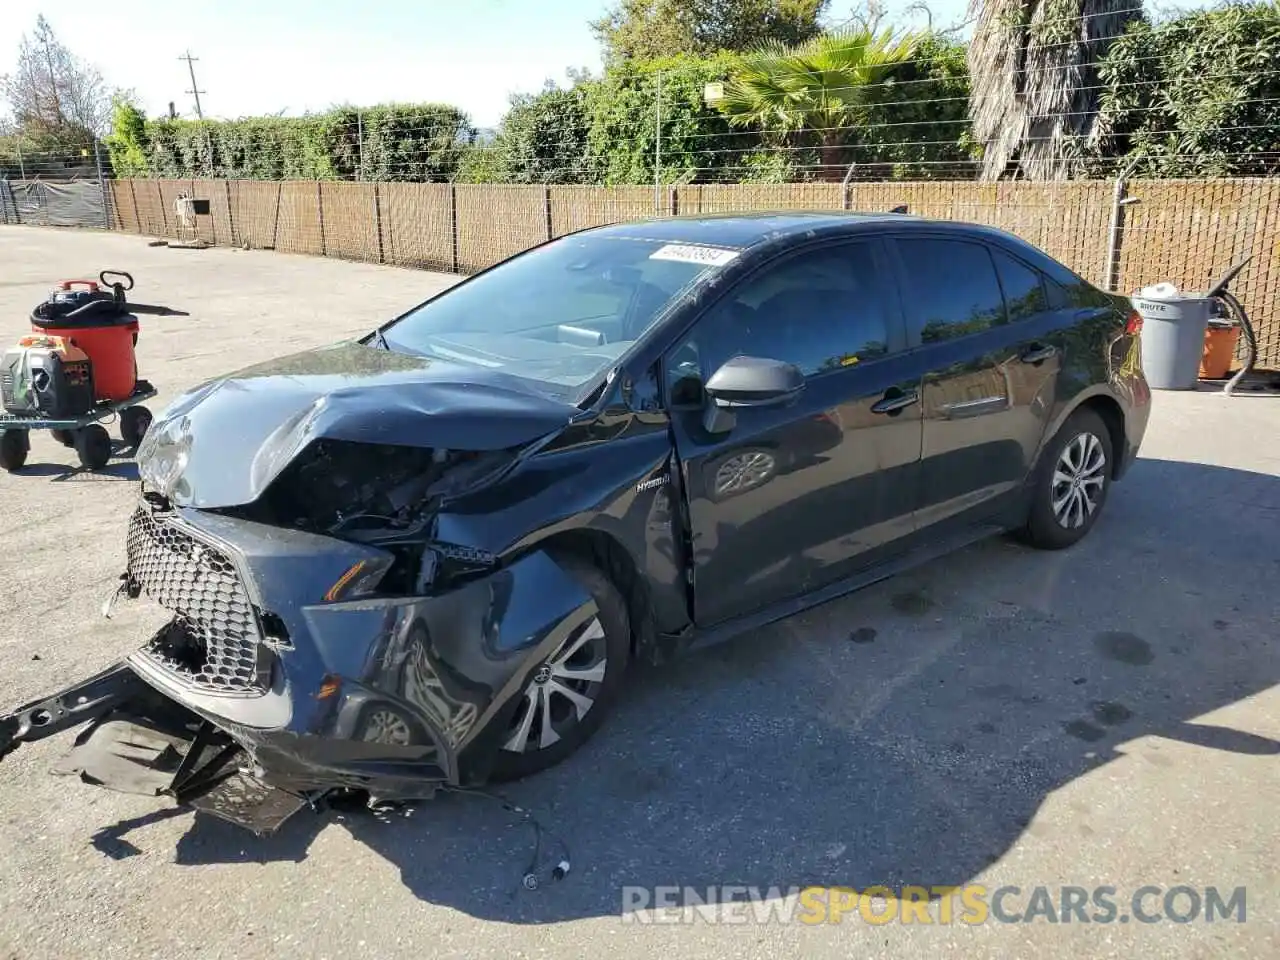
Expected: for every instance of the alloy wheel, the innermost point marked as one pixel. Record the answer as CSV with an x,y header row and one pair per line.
x,y
1078,480
563,689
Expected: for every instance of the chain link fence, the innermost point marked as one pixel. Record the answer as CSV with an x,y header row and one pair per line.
x,y
1185,231
50,203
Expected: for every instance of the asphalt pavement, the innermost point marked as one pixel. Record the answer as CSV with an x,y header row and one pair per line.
x,y
1103,717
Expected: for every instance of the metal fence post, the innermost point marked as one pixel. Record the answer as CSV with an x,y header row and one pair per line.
x,y
657,149
324,249
164,213
137,214
231,217
453,221
546,209
377,221
1111,268
360,145
275,223
102,185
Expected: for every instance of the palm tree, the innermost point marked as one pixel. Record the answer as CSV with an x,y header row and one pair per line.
x,y
822,86
1034,70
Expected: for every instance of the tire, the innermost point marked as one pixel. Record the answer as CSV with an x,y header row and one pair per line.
x,y
65,437
134,424
14,447
615,645
93,446
1079,504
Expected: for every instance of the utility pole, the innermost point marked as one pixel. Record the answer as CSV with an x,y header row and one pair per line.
x,y
195,90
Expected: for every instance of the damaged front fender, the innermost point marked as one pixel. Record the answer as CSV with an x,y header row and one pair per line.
x,y
454,664
393,696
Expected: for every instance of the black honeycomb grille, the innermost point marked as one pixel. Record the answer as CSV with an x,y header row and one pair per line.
x,y
213,641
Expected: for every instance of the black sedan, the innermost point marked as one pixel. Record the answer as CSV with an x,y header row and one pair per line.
x,y
427,558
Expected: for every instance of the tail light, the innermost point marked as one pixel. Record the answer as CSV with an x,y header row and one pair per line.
x,y
1133,323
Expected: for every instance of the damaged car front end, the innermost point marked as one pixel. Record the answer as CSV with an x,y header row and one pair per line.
x,y
311,630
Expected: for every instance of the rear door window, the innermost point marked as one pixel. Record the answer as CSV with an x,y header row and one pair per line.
x,y
952,289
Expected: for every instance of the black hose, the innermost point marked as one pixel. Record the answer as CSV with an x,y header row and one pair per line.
x,y
46,313
1250,340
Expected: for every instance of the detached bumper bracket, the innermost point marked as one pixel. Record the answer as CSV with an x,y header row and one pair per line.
x,y
71,707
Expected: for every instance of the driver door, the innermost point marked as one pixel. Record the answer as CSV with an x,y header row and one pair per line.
x,y
787,497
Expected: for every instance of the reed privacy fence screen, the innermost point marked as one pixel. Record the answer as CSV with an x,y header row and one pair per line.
x,y
1184,231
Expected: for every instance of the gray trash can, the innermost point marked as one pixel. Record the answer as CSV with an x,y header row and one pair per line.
x,y
1173,327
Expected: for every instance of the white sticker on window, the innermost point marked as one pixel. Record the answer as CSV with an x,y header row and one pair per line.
x,y
685,253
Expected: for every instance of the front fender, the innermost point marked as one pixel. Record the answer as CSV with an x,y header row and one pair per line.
x,y
456,662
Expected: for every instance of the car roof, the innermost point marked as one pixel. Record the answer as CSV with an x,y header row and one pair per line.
x,y
743,230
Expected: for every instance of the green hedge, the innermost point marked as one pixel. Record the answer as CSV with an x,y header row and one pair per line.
x,y
697,142
415,142
1195,96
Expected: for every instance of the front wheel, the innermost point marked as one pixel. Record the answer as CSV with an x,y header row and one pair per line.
x,y
569,694
1071,483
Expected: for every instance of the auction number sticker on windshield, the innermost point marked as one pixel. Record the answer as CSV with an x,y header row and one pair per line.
x,y
687,253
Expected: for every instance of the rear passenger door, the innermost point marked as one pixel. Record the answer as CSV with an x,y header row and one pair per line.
x,y
990,354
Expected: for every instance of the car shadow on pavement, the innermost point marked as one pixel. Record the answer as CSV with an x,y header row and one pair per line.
x,y
905,735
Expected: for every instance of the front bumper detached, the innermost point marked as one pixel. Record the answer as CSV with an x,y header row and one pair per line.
x,y
141,742
256,697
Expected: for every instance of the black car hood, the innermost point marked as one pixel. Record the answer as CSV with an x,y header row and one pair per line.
x,y
221,444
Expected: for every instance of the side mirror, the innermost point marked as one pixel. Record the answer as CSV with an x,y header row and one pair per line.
x,y
748,382
754,382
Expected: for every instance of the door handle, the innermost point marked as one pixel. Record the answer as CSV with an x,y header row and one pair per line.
x,y
895,402
1038,353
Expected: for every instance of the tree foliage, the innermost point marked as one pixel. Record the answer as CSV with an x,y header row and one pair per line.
x,y
1194,96
413,142
818,91
1034,68
127,140
623,110
654,29
542,139
56,97
918,126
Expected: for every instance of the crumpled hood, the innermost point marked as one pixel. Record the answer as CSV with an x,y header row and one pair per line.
x,y
222,443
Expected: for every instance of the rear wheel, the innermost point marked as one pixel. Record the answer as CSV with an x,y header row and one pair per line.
x,y
14,447
1071,483
93,446
569,694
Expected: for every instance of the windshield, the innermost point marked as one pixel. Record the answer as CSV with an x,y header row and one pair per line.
x,y
559,315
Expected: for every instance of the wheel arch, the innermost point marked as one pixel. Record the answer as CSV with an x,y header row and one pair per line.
x,y
1112,415
611,557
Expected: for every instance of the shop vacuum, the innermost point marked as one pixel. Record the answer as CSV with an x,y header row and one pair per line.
x,y
75,368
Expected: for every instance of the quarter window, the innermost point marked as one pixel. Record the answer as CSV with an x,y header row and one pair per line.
x,y
1024,295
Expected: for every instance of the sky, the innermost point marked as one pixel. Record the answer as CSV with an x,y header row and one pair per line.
x,y
293,56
